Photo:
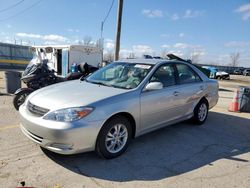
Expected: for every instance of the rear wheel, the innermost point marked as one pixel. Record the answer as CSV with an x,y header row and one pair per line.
x,y
114,137
200,112
20,98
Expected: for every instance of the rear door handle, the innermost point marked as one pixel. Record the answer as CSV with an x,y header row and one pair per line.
x,y
176,93
201,88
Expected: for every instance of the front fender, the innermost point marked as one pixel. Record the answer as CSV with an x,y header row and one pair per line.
x,y
24,89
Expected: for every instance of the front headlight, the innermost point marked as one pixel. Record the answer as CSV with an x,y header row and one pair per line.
x,y
69,114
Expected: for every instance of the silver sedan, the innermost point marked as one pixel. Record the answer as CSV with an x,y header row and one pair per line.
x,y
115,104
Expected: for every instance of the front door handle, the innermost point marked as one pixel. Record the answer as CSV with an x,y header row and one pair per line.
x,y
176,93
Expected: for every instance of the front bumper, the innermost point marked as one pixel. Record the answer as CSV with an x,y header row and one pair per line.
x,y
226,77
60,137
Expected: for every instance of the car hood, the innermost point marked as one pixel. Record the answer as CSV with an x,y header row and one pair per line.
x,y
72,94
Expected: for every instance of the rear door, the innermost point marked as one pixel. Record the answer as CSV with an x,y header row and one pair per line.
x,y
191,88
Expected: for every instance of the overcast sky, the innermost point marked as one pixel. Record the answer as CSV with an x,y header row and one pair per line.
x,y
213,29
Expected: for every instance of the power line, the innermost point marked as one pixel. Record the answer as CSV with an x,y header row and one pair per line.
x,y
108,12
12,6
105,18
34,4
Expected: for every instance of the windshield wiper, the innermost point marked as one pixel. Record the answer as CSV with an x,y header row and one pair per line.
x,y
100,83
120,87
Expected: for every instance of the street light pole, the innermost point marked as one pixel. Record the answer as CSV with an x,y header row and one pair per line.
x,y
118,32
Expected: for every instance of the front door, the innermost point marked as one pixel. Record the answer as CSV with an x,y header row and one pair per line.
x,y
160,106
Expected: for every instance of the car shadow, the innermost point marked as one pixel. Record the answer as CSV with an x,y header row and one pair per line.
x,y
226,90
168,152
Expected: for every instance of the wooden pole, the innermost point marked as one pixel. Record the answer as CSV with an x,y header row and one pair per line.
x,y
118,32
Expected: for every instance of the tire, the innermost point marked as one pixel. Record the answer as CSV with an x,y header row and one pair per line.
x,y
110,147
200,112
20,98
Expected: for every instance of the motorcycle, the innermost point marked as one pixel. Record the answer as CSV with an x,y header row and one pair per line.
x,y
38,74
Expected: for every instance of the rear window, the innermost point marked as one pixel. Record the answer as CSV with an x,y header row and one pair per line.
x,y
186,74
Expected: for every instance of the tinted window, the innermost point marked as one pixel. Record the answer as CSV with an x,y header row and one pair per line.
x,y
186,74
165,75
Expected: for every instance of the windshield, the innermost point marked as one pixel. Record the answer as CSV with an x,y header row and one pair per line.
x,y
120,75
31,66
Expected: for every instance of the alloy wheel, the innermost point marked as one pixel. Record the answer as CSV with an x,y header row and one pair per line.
x,y
202,112
116,138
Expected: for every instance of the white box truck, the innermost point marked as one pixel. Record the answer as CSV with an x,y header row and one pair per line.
x,y
61,57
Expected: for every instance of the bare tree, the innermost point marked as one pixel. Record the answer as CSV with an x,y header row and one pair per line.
x,y
164,53
109,56
235,57
87,40
131,55
195,55
99,43
195,58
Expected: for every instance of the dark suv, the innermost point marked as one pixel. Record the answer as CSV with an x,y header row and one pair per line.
x,y
246,72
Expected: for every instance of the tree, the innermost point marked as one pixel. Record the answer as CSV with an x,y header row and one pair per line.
x,y
164,53
99,43
109,56
195,58
87,40
235,57
131,55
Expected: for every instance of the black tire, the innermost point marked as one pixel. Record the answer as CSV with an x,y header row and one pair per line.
x,y
20,98
101,145
197,118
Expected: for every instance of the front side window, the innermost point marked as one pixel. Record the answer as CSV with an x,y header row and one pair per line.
x,y
186,74
165,75
120,75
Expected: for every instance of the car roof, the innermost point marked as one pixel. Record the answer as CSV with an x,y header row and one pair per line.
x,y
146,61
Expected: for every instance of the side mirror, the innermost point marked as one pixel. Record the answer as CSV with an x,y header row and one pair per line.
x,y
153,86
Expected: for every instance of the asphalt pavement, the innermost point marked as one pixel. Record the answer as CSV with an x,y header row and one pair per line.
x,y
216,154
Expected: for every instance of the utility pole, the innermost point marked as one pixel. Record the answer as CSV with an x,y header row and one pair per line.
x,y
101,42
118,32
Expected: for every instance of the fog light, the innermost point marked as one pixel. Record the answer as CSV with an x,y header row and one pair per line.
x,y
62,146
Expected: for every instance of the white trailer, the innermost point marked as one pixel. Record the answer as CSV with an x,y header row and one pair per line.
x,y
61,57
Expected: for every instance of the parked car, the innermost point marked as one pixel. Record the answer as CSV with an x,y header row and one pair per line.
x,y
120,101
222,75
238,71
246,72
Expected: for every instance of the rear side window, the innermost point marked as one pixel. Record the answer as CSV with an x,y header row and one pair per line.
x,y
165,75
186,74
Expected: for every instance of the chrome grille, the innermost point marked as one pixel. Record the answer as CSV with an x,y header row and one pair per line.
x,y
36,110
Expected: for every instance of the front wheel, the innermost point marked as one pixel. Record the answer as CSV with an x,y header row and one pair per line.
x,y
20,98
114,137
